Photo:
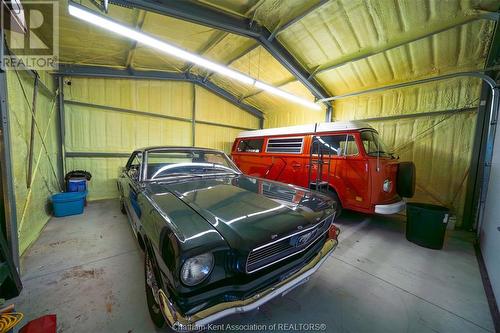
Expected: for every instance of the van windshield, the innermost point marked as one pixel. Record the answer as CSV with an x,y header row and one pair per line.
x,y
374,145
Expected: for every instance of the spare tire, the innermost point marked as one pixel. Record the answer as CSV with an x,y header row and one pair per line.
x,y
406,179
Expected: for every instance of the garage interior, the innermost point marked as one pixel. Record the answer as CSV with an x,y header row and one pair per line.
x,y
423,73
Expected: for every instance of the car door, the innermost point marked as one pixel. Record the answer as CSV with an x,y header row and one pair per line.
x,y
133,175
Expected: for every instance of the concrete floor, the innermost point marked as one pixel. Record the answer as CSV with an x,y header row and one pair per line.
x,y
88,270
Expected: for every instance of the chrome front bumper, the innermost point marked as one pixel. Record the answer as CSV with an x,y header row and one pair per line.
x,y
216,312
390,208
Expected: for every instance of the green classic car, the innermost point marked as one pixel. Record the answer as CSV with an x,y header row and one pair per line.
x,y
218,242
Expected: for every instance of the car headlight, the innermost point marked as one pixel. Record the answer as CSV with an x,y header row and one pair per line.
x,y
387,185
196,269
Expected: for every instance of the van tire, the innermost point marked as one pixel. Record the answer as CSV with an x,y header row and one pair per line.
x,y
406,179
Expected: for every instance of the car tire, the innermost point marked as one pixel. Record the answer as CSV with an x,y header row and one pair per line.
x,y
406,179
122,207
153,307
335,196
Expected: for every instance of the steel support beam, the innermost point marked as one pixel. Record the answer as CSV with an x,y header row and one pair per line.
x,y
193,118
385,48
329,113
7,176
485,160
479,75
96,154
61,129
296,19
235,58
135,112
210,17
154,115
420,115
473,188
203,122
141,18
25,70
108,72
207,47
31,147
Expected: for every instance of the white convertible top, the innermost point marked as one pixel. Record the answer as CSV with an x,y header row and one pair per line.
x,y
306,129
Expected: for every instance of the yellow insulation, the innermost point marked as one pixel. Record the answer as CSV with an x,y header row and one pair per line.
x,y
33,210
440,146
97,129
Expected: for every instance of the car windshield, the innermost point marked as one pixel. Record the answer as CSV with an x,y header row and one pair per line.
x,y
178,163
373,144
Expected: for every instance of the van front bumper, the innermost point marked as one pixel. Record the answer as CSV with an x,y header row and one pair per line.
x,y
390,208
199,320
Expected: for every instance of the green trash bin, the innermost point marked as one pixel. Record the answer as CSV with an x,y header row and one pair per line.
x,y
426,224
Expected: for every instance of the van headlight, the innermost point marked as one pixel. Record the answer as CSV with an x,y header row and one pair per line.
x,y
196,269
387,185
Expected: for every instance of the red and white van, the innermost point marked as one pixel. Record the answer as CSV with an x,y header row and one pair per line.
x,y
345,159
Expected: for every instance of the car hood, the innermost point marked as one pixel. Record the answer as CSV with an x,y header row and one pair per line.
x,y
249,211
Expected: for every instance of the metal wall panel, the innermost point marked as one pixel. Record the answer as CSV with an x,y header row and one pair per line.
x,y
213,109
162,97
98,130
215,137
104,173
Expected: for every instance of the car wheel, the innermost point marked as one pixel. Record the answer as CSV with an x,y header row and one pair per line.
x,y
122,207
335,196
150,283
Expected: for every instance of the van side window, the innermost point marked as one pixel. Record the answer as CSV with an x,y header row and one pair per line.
x,y
285,145
328,145
335,145
250,146
349,146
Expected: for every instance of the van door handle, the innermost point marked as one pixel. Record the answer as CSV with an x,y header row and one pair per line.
x,y
296,165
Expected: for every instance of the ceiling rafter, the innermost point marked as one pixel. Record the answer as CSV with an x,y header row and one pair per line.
x,y
235,58
301,16
141,18
481,15
208,16
207,47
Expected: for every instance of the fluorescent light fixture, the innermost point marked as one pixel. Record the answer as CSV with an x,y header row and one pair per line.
x,y
110,25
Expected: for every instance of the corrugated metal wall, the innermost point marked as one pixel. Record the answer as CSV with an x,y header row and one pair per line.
x,y
32,202
90,128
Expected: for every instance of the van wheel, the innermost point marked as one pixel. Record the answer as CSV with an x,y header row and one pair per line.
x,y
335,196
406,179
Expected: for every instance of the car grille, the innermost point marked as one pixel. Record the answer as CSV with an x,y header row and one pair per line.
x,y
281,249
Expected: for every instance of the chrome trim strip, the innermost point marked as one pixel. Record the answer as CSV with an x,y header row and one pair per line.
x,y
288,256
